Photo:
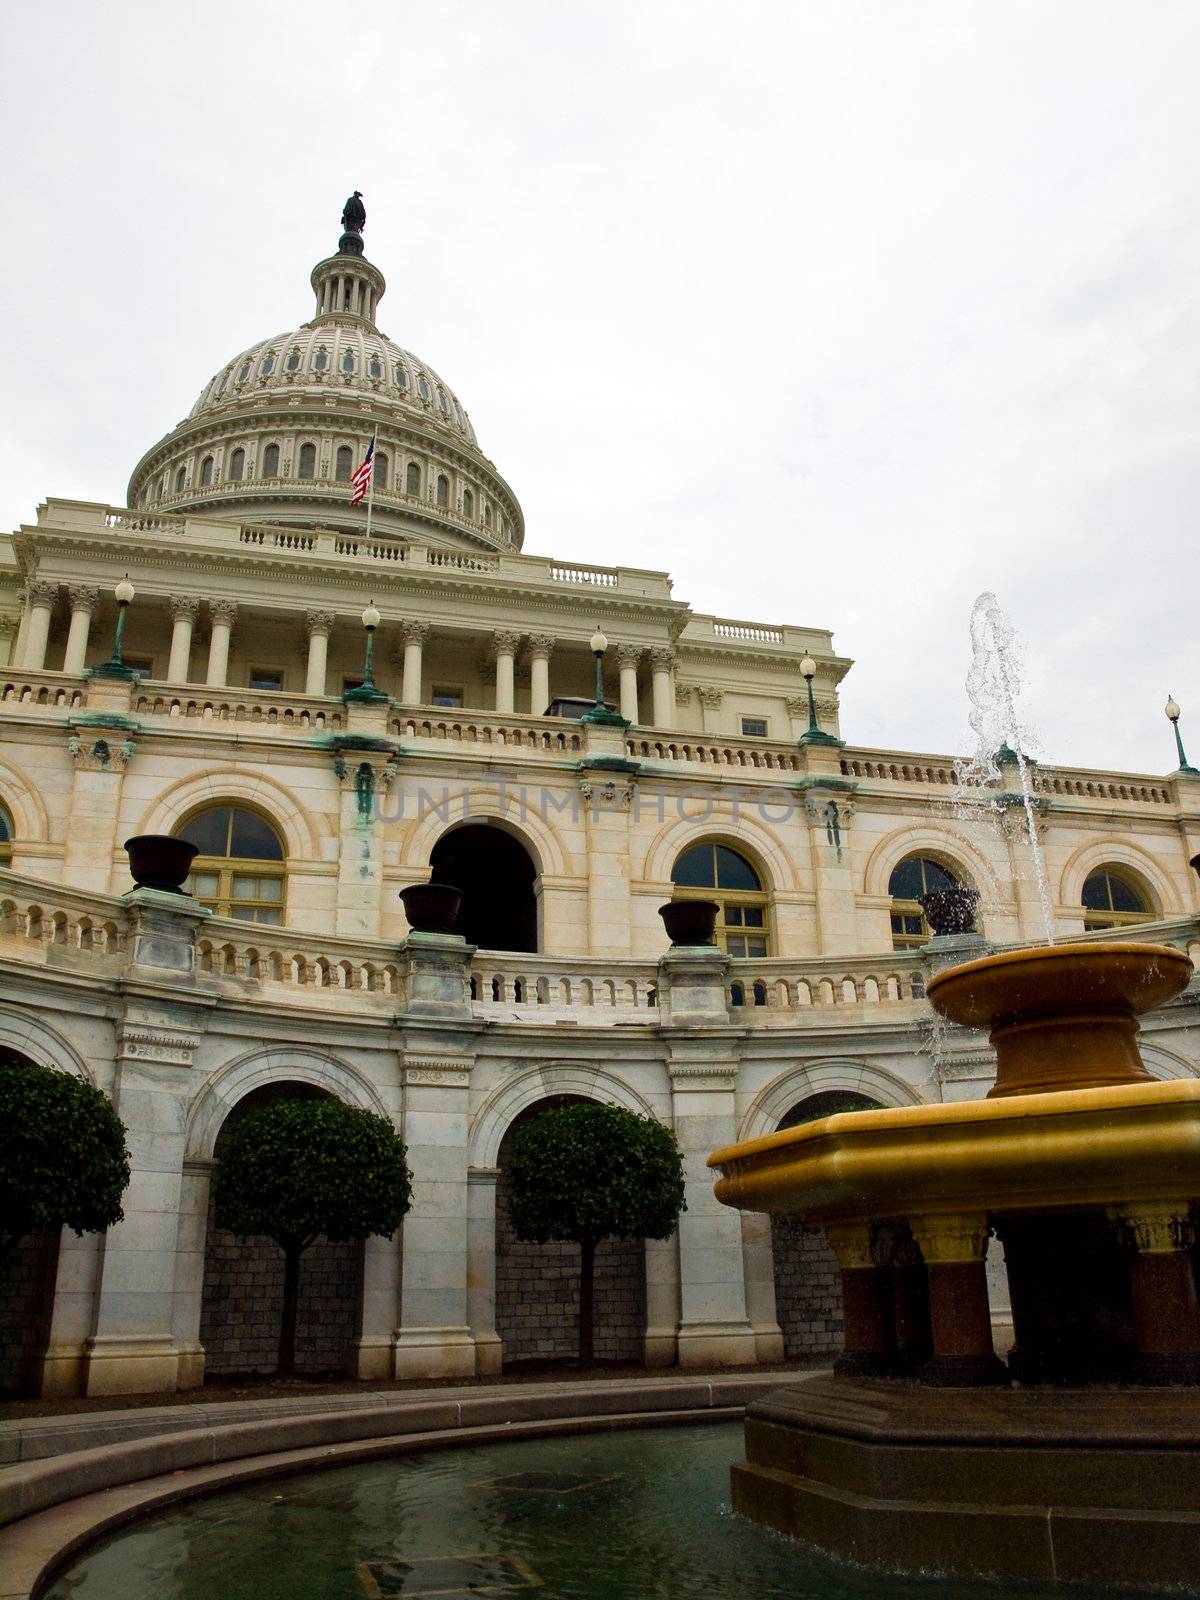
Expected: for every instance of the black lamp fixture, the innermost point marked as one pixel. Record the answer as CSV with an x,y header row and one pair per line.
x,y
115,667
1172,713
367,693
599,712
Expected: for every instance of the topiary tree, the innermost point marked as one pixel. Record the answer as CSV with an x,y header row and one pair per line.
x,y
302,1168
63,1161
585,1172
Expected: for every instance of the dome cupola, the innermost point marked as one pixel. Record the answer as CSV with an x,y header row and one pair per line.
x,y
277,432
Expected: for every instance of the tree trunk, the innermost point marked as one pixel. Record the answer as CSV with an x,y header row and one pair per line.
x,y
286,1365
587,1265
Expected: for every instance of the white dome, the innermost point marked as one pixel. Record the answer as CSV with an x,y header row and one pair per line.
x,y
338,356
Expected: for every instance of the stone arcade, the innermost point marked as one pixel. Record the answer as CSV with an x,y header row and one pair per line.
x,y
724,776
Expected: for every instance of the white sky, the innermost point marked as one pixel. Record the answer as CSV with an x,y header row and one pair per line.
x,y
839,312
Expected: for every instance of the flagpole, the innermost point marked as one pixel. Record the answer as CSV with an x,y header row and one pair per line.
x,y
371,481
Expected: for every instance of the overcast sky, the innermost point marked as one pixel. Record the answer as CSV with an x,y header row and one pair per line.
x,y
841,313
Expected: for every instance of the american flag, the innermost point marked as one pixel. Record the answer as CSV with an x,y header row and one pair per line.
x,y
362,477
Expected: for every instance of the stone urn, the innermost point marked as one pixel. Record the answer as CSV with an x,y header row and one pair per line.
x,y
1062,1016
432,907
950,911
690,921
160,861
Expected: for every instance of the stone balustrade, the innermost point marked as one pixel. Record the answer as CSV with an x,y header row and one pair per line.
x,y
532,988
270,709
883,766
51,691
758,755
421,727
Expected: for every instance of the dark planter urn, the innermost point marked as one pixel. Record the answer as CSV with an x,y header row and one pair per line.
x,y
690,921
431,907
950,910
159,861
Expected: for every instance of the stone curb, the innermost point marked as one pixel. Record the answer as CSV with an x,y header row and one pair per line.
x,y
55,1506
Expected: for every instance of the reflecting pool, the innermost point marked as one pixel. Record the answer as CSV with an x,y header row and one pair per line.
x,y
638,1515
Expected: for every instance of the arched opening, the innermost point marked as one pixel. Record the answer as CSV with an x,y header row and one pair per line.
x,y
180,479
27,1280
308,461
712,871
206,472
242,1296
344,465
239,870
381,470
537,1285
1112,898
443,489
496,875
271,461
915,876
412,478
808,1280
468,503
6,836
237,466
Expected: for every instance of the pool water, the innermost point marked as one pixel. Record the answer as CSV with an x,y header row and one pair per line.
x,y
634,1515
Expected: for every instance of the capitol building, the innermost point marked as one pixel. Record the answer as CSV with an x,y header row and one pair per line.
x,y
470,748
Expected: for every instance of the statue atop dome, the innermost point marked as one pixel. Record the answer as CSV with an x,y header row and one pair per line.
x,y
354,220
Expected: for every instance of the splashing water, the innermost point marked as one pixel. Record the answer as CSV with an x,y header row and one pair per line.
x,y
993,684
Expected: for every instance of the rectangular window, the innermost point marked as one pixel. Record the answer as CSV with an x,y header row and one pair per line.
x,y
142,665
351,683
754,727
265,678
443,696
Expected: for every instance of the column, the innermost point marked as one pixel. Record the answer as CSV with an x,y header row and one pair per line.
x,y
505,645
628,656
1162,1278
869,1336
414,635
960,1320
540,646
759,1258
83,603
320,626
662,662
18,650
183,619
710,707
434,1339
8,635
481,1270
41,603
222,613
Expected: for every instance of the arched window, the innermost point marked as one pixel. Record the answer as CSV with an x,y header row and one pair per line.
x,y
6,836
180,480
376,368
712,871
206,472
237,466
400,376
321,360
910,880
422,386
344,465
308,461
243,372
468,503
487,513
497,877
239,870
443,489
1111,899
442,400
412,478
224,381
271,461
160,487
381,470
348,361
292,364
267,365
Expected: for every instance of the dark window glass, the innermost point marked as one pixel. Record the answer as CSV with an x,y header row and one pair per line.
x,y
468,503
451,698
400,376
308,460
180,479
293,361
6,827
271,461
206,472
754,727
422,387
265,680
696,868
381,470
345,464
320,361
443,491
442,401
243,372
348,361
734,871
209,831
376,367
267,365
412,479
251,836
237,466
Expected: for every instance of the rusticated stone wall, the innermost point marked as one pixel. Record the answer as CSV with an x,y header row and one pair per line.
x,y
808,1290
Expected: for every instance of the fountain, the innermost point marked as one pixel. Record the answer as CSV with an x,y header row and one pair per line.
x,y
1079,1456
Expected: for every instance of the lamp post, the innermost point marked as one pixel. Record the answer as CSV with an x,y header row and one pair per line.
x,y
115,667
600,712
1172,713
367,692
813,734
